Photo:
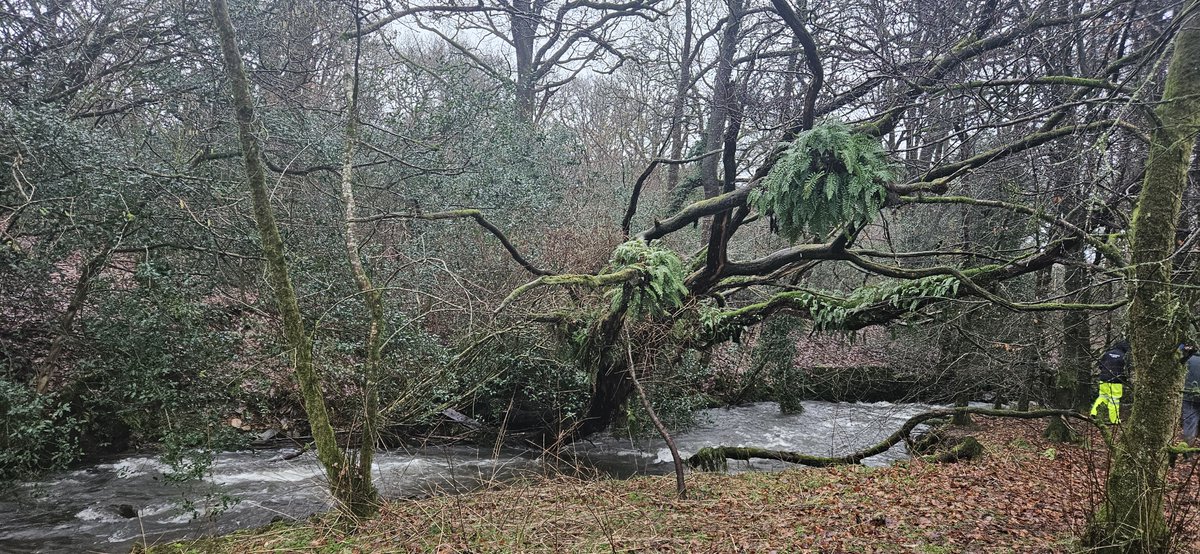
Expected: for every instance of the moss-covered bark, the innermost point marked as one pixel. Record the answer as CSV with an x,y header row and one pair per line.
x,y
1131,519
333,460
714,458
968,448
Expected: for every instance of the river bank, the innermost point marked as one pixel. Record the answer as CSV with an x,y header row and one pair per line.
x,y
1024,495
110,507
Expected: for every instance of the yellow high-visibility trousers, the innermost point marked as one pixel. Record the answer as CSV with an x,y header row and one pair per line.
x,y
1110,393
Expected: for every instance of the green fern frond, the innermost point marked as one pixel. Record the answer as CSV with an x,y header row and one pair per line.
x,y
662,288
849,171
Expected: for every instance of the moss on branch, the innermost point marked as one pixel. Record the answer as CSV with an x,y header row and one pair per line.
x,y
1109,250
626,275
714,458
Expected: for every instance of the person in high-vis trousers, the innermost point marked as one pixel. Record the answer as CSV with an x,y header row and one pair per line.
x,y
1114,366
1191,394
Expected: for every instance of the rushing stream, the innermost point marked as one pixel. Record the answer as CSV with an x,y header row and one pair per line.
x,y
109,507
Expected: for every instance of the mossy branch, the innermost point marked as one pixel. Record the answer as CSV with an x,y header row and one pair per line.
x,y
1179,449
1107,249
631,209
626,275
973,286
913,289
967,449
714,458
696,210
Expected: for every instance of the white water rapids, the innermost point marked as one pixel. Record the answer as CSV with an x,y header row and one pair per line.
x,y
81,510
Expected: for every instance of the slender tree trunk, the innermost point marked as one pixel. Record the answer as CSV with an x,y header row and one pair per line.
x,y
333,460
1031,356
723,99
1073,386
960,350
1131,519
680,100
1071,381
680,483
366,502
49,364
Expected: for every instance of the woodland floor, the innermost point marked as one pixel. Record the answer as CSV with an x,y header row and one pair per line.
x,y
1024,495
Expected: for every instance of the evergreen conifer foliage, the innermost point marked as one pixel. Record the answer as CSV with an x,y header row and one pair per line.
x,y
830,176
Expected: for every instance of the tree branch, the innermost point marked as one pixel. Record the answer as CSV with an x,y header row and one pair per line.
x,y
461,214
714,457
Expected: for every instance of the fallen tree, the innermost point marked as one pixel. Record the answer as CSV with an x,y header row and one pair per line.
x,y
716,458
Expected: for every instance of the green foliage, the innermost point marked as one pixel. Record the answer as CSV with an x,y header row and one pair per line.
x,y
68,170
514,169
189,453
412,379
661,289
906,293
776,353
154,367
829,313
36,431
829,176
674,394
516,380
153,363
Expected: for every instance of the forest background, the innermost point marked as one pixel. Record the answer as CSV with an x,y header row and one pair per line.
x,y
525,211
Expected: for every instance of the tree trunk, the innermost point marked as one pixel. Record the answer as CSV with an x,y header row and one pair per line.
x,y
366,502
523,22
723,99
682,86
48,365
1073,380
680,484
345,487
1131,519
612,386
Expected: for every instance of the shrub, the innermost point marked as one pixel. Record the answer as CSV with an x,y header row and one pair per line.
x,y
36,431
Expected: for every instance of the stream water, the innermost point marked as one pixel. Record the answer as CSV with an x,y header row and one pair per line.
x,y
111,506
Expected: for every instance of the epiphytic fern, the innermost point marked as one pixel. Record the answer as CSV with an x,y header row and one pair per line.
x,y
830,176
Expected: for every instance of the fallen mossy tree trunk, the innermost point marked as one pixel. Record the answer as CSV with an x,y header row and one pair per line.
x,y
967,448
716,458
929,441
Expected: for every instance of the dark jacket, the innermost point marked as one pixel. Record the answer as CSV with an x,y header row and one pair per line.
x,y
1114,365
1191,383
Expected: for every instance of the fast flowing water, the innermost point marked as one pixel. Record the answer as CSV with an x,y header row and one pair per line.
x,y
112,506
